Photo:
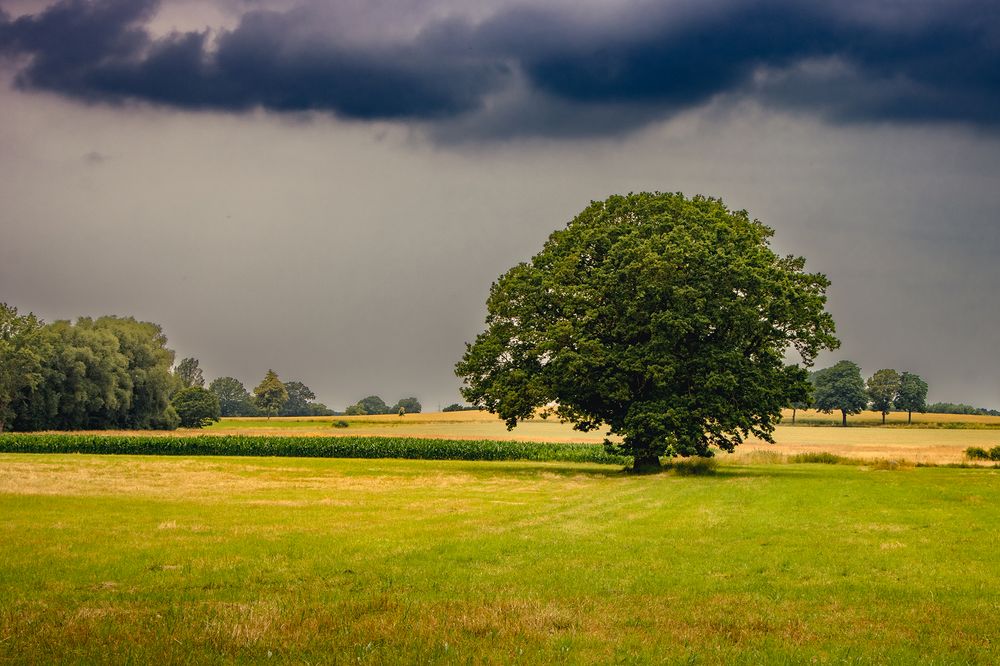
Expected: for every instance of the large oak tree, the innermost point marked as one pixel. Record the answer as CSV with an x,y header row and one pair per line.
x,y
665,319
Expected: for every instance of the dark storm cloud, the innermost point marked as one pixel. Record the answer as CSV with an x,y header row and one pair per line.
x,y
521,68
100,51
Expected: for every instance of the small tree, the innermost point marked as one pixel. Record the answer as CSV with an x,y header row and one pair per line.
x,y
188,373
408,405
270,394
234,399
912,396
883,389
840,387
369,405
196,407
800,404
299,399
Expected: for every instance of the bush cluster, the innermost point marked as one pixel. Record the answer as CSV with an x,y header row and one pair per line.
x,y
307,447
979,453
821,457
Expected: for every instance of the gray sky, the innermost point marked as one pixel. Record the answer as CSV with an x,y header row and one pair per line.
x,y
290,212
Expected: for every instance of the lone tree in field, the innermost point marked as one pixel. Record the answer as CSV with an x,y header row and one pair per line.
x,y
663,318
912,395
883,390
270,394
840,387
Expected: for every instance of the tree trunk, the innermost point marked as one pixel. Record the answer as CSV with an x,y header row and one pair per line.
x,y
844,422
646,463
883,418
909,417
793,416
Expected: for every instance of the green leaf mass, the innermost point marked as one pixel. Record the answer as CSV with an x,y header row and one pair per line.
x,y
663,318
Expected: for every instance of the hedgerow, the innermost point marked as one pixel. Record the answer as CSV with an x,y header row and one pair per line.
x,y
306,447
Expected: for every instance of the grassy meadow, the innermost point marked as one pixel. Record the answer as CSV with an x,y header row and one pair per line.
x,y
184,559
213,560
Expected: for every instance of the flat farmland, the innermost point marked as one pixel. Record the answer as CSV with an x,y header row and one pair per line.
x,y
112,559
933,438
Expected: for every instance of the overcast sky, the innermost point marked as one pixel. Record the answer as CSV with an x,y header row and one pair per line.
x,y
329,188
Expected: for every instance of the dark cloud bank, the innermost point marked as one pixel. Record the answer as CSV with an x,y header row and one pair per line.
x,y
847,62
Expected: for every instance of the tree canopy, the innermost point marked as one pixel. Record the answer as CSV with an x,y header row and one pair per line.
x,y
20,360
407,405
234,399
188,373
196,407
270,394
883,390
912,396
662,318
840,387
372,404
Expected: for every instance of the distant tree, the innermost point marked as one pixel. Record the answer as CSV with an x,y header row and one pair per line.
x,y
20,360
840,387
319,409
86,381
369,405
299,397
912,396
799,404
408,405
883,390
149,360
189,374
458,407
196,407
234,399
270,394
960,408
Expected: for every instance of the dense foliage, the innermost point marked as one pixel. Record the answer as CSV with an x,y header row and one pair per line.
x,y
115,373
111,372
840,388
663,318
234,399
912,395
959,408
188,373
883,390
20,360
196,407
270,395
373,404
306,447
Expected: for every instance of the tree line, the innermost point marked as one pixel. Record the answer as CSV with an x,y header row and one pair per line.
x,y
841,388
118,373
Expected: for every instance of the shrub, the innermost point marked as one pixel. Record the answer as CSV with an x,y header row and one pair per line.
x,y
995,453
341,423
695,466
977,453
822,458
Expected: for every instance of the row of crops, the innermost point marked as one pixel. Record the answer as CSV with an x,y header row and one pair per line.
x,y
307,447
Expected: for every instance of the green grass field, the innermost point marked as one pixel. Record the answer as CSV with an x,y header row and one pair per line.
x,y
201,560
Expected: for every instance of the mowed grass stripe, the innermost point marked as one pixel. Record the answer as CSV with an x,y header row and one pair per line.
x,y
212,560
